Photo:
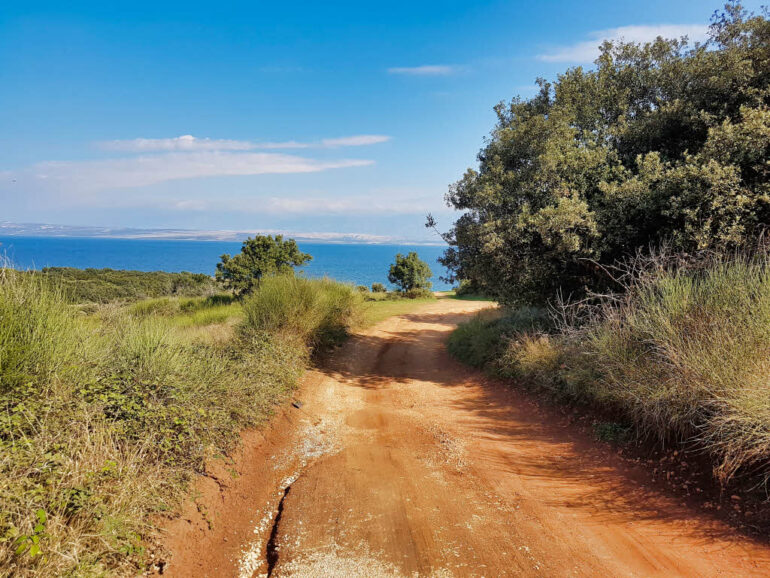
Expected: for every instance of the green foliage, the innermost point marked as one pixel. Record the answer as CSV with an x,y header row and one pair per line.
x,y
319,312
38,333
482,340
189,311
660,142
105,418
612,432
105,285
410,272
466,287
685,355
682,356
260,256
379,288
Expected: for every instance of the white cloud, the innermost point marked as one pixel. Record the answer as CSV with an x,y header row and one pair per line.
x,y
354,141
185,142
587,51
189,143
104,174
425,70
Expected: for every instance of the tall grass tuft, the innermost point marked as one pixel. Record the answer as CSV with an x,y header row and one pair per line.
x,y
686,354
36,332
318,311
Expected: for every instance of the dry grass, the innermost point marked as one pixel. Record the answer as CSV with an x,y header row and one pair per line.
x,y
683,355
107,413
319,312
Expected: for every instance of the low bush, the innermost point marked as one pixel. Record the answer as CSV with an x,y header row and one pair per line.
x,y
189,311
685,354
482,340
417,294
466,287
318,311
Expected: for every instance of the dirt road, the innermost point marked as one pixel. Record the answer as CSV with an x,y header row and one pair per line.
x,y
401,462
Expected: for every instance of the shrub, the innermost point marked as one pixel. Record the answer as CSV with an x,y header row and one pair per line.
x,y
418,294
482,340
379,288
467,287
409,272
685,353
318,311
38,333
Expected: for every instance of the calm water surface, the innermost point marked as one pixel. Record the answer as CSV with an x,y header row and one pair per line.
x,y
360,264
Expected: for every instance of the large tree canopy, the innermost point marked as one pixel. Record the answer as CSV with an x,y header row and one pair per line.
x,y
660,142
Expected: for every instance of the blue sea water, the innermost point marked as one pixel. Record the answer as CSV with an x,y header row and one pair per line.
x,y
359,264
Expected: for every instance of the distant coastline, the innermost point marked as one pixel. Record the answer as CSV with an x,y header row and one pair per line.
x,y
8,229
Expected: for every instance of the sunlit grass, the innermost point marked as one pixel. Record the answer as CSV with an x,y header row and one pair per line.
x,y
109,410
376,311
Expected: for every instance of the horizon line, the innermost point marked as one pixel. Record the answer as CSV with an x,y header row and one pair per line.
x,y
11,229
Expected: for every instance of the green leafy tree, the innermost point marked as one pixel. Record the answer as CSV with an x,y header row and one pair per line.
x,y
663,142
261,255
410,272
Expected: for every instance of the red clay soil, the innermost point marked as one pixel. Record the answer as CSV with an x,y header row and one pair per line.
x,y
401,462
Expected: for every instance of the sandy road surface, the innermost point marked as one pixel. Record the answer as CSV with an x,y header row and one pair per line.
x,y
401,462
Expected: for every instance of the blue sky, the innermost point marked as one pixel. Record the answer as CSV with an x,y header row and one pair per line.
x,y
335,117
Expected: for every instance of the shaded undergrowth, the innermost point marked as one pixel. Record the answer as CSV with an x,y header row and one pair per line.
x,y
681,355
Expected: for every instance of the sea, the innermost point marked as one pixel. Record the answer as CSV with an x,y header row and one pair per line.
x,y
361,264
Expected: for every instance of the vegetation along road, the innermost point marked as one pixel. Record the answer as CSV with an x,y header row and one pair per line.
x,y
398,461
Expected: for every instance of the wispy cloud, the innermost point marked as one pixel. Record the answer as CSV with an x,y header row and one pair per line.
x,y
587,51
354,141
104,174
327,205
318,204
189,143
425,70
185,142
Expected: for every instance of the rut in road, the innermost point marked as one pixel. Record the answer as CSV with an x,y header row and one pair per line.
x,y
413,465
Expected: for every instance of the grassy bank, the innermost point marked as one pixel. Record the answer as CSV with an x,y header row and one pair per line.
x,y
682,357
109,412
105,285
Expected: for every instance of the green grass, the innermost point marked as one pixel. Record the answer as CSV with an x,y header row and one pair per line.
x,y
683,357
465,296
107,413
319,312
106,285
190,311
379,310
